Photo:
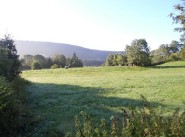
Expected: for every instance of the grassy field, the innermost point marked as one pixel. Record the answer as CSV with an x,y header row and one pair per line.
x,y
57,96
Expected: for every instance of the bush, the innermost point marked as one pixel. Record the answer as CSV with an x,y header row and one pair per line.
x,y
54,66
15,117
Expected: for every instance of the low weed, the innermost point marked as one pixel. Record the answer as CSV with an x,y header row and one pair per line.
x,y
133,122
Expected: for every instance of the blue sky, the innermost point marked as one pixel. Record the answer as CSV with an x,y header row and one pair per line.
x,y
95,24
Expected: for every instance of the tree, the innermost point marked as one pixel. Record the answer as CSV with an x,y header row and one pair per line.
x,y
175,47
182,53
174,57
180,19
9,60
27,61
41,60
60,60
75,61
116,60
49,62
161,55
109,60
138,53
36,65
121,60
68,61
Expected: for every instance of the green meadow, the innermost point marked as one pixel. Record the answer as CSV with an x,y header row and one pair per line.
x,y
56,96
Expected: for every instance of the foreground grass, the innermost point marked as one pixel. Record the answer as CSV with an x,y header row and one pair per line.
x,y
57,96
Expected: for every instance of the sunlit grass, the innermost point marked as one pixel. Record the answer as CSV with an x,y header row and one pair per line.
x,y
57,95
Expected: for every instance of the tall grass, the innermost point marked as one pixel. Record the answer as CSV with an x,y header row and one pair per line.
x,y
133,122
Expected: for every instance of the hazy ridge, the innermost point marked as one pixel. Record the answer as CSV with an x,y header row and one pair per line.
x,y
49,49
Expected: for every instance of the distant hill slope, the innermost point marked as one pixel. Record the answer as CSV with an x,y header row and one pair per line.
x,y
49,49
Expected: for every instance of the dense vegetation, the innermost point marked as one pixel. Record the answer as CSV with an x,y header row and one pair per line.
x,y
138,54
58,61
57,96
9,60
14,116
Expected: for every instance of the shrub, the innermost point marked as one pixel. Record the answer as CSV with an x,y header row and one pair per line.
x,y
15,117
54,66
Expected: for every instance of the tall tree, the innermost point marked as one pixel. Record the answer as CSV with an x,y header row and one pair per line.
x,y
138,53
180,19
9,60
75,61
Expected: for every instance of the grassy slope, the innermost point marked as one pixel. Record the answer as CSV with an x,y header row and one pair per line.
x,y
58,95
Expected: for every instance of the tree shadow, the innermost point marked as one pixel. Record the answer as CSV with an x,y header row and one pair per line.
x,y
56,105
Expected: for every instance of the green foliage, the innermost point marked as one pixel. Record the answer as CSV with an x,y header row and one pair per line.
x,y
175,46
40,62
116,60
180,18
54,66
167,52
16,118
174,57
161,55
138,53
60,60
75,61
133,122
182,53
9,60
36,65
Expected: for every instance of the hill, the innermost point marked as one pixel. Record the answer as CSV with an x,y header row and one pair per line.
x,y
49,49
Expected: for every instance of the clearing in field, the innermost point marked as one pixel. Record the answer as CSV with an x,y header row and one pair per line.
x,y
57,96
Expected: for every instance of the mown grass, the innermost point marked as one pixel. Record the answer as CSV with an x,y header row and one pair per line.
x,y
57,96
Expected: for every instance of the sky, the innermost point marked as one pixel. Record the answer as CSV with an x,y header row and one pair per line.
x,y
94,24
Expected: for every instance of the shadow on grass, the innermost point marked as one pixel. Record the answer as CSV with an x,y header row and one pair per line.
x,y
58,104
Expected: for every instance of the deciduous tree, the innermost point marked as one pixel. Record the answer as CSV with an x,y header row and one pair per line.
x,y
138,53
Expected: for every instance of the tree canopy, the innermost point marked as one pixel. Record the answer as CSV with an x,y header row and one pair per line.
x,y
138,53
9,60
180,19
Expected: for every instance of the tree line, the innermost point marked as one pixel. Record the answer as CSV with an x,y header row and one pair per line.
x,y
58,61
138,53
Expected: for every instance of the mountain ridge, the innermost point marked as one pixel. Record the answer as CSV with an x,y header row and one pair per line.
x,y
49,49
